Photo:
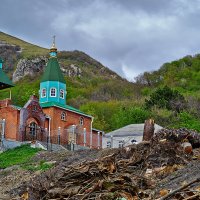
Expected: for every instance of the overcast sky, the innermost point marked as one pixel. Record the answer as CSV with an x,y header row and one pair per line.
x,y
128,36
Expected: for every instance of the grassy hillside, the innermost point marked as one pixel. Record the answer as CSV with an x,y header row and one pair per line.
x,y
28,50
97,86
112,100
183,76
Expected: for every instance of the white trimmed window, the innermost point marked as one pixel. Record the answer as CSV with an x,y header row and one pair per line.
x,y
62,94
63,116
53,92
44,92
81,121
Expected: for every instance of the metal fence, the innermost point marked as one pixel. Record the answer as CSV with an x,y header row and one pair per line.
x,y
71,138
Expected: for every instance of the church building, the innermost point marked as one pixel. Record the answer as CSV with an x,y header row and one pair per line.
x,y
47,119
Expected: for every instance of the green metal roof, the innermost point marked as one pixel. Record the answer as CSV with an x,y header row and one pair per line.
x,y
16,107
53,72
5,82
66,107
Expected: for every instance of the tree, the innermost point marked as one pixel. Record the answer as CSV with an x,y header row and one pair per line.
x,y
166,98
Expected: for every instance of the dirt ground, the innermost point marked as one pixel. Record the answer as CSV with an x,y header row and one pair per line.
x,y
159,169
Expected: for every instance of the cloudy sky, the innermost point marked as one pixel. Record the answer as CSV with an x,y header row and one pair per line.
x,y
128,36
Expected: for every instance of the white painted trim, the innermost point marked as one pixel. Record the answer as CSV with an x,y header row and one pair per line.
x,y
69,110
63,94
45,93
55,92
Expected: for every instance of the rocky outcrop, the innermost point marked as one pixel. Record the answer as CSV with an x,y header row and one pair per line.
x,y
9,54
29,67
32,67
71,70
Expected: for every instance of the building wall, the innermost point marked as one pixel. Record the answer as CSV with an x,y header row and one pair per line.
x,y
12,125
95,139
11,116
52,84
116,140
71,119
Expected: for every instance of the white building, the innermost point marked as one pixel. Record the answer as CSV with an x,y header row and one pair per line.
x,y
125,136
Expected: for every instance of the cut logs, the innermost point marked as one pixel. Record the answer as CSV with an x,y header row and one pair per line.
x,y
135,172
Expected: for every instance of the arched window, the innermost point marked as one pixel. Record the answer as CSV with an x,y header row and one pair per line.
x,y
81,121
44,92
53,92
63,116
62,94
33,128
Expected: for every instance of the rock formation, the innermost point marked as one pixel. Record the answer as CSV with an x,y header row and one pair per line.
x,y
29,67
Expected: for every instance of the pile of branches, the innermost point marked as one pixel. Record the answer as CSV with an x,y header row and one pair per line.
x,y
131,172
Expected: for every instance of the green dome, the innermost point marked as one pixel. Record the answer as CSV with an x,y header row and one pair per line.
x,y
5,82
53,72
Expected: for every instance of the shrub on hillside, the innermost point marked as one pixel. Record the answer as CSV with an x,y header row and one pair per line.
x,y
166,98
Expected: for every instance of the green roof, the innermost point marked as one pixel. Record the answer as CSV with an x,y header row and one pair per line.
x,y
66,107
16,107
5,82
53,72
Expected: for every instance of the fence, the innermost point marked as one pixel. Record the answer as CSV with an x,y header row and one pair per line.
x,y
71,138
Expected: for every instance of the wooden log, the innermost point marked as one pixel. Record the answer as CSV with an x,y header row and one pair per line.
x,y
148,130
179,189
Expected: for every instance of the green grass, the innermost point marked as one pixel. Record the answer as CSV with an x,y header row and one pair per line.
x,y
42,166
17,156
28,50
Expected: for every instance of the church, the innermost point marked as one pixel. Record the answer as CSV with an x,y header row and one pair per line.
x,y
48,119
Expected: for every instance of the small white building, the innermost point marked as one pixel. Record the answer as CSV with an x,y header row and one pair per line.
x,y
132,133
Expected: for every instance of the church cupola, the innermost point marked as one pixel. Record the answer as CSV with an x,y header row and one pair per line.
x,y
53,84
5,82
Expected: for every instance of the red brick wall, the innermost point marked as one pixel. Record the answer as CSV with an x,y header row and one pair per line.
x,y
11,116
95,139
71,119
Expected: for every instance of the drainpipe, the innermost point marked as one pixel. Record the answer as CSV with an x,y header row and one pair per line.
x,y
3,129
91,133
98,145
49,133
59,135
84,137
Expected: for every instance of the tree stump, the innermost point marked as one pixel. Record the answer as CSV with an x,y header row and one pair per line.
x,y
148,130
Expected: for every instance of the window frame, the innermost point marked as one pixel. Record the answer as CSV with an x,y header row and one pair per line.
x,y
33,128
81,121
53,88
63,116
63,93
44,89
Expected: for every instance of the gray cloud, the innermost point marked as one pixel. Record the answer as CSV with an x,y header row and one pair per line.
x,y
129,37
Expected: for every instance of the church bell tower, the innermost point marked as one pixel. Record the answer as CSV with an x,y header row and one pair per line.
x,y
53,84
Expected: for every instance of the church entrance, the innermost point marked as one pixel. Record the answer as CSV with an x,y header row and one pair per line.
x,y
33,132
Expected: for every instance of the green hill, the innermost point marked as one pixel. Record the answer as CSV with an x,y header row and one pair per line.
x,y
95,89
113,101
28,50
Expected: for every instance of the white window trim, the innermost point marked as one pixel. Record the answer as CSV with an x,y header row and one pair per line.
x,y
63,114
63,93
55,92
81,121
45,92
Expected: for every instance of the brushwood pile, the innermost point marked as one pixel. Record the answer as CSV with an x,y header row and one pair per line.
x,y
166,167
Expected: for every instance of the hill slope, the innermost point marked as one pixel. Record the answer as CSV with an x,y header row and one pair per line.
x,y
88,81
113,101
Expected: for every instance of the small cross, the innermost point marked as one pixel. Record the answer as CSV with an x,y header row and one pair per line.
x,y
54,39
